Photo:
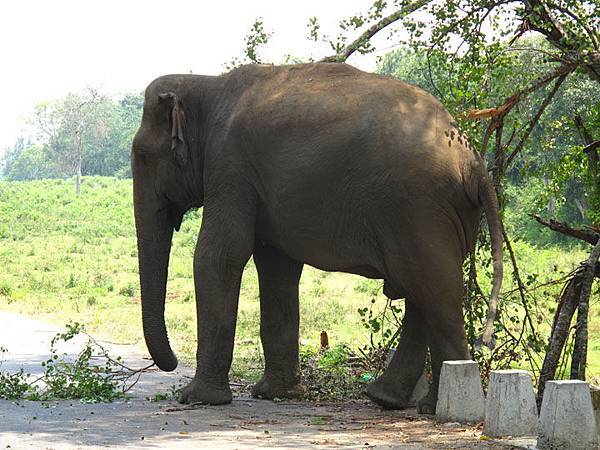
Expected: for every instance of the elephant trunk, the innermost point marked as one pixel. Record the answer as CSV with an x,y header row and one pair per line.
x,y
154,229
154,263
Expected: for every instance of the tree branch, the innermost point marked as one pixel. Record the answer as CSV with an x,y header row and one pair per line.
x,y
534,120
520,285
498,113
554,31
591,147
539,19
590,236
580,22
374,29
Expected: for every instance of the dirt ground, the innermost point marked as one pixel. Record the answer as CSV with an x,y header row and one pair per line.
x,y
246,423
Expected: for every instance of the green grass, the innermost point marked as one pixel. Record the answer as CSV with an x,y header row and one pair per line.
x,y
65,258
74,258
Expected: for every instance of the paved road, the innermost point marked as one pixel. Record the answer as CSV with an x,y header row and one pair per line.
x,y
246,423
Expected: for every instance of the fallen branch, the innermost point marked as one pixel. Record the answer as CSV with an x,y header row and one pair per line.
x,y
589,235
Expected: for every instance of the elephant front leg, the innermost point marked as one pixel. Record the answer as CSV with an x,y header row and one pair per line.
x,y
278,277
221,254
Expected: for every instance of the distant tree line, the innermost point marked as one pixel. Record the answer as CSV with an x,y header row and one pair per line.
x,y
84,133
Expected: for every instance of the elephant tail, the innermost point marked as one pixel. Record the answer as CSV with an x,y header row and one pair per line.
x,y
489,200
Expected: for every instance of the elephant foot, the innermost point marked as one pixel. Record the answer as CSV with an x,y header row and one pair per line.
x,y
428,403
386,396
200,392
269,390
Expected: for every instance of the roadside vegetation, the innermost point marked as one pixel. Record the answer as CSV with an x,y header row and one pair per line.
x,y
93,376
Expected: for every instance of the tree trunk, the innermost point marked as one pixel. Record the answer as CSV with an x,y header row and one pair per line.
x,y
560,332
79,161
579,358
581,207
551,207
78,181
576,294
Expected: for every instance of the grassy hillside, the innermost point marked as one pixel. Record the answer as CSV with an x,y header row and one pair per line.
x,y
65,258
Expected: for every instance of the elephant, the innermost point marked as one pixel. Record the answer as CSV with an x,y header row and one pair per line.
x,y
320,164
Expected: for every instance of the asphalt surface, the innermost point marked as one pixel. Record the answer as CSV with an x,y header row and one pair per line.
x,y
246,423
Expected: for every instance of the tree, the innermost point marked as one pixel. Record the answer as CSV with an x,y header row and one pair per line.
x,y
26,161
80,134
70,125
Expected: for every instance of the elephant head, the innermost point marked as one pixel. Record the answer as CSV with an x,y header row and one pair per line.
x,y
167,165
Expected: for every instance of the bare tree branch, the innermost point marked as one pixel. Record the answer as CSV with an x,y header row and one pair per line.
x,y
520,284
374,29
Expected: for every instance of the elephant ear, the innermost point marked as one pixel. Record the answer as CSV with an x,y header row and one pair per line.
x,y
178,144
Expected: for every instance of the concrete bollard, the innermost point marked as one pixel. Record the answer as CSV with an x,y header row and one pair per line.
x,y
510,408
421,389
460,395
595,392
567,418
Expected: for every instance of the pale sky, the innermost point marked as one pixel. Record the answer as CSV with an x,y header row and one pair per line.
x,y
50,48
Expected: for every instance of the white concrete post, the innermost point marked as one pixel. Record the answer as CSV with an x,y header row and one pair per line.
x,y
567,418
460,395
510,408
421,389
595,391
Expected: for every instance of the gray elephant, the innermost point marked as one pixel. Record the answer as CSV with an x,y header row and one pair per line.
x,y
318,164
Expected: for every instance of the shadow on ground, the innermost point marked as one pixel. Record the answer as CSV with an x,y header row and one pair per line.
x,y
247,423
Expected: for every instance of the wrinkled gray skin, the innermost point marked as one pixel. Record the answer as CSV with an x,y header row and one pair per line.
x,y
317,164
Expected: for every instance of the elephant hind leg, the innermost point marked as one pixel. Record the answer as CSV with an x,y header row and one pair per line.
x,y
433,283
440,301
394,388
278,277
